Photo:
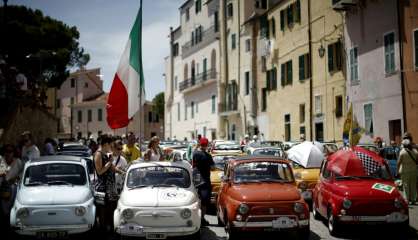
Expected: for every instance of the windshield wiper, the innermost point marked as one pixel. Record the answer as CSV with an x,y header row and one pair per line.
x,y
59,182
34,184
138,186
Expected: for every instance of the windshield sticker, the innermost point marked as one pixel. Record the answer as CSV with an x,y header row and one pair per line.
x,y
383,187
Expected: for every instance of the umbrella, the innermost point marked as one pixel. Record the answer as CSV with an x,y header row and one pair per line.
x,y
306,154
319,145
356,161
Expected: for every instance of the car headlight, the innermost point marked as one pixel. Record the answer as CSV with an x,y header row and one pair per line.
x,y
346,203
303,185
127,214
243,209
298,175
186,213
299,207
398,203
80,211
22,213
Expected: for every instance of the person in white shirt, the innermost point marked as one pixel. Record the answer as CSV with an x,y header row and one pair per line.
x,y
29,151
120,162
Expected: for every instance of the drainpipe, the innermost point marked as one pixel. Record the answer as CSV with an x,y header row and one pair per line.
x,y
224,67
239,66
170,99
398,7
310,72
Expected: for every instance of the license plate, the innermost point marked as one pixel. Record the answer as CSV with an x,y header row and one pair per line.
x,y
134,229
44,235
283,222
156,236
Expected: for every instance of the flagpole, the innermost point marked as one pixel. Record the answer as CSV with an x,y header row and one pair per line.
x,y
141,117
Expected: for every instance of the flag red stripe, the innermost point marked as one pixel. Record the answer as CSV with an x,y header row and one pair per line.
x,y
117,105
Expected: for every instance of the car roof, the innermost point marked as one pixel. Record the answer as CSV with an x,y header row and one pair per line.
x,y
253,158
57,158
182,164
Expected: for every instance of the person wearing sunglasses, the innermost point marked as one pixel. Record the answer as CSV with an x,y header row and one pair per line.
x,y
119,162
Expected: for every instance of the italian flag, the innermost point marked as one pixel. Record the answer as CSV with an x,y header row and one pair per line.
x,y
127,92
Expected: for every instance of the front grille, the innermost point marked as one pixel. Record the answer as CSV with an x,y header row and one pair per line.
x,y
371,207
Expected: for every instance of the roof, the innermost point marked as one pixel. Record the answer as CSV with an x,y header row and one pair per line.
x,y
57,158
93,78
162,164
253,158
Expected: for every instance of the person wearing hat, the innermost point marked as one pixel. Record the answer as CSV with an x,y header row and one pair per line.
x,y
203,162
407,169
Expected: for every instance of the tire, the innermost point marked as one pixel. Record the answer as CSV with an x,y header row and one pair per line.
x,y
195,236
333,225
315,213
304,233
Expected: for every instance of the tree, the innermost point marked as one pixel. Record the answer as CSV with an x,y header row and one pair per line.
x,y
39,46
158,103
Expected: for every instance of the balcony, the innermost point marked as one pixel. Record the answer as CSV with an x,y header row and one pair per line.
x,y
228,109
208,36
343,5
198,81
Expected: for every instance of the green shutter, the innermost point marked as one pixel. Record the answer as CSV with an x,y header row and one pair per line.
x,y
289,15
273,27
289,72
301,67
268,78
308,61
330,58
282,20
416,48
283,74
274,80
297,19
338,55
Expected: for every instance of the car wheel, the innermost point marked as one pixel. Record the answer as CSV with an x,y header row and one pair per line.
x,y
333,225
304,233
315,212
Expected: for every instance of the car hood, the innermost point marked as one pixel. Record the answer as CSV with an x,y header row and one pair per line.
x,y
363,189
307,174
54,195
264,192
157,197
215,176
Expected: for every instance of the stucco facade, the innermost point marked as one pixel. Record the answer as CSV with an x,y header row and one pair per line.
x,y
376,92
192,73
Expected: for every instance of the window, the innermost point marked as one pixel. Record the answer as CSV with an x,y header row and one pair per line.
x,y
354,65
72,101
193,38
338,106
287,129
175,49
197,107
216,16
302,130
79,116
198,6
286,73
150,117
368,118
264,27
58,103
72,83
264,100
290,15
302,113
297,11
157,118
178,112
99,114
326,173
192,110
187,14
389,40
263,63
89,115
273,27
175,82
230,10
247,45
86,85
185,111
205,68
318,104
334,57
289,12
416,48
233,41
271,79
247,83
261,4
213,103
304,67
282,23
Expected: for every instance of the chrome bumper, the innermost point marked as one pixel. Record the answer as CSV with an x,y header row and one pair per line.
x,y
70,229
395,217
269,224
135,230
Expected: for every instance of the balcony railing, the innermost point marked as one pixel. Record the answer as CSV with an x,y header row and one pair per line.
x,y
208,36
198,79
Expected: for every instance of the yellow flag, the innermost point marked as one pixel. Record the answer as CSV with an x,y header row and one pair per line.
x,y
347,124
356,131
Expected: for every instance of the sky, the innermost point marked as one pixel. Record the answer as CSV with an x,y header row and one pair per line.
x,y
104,27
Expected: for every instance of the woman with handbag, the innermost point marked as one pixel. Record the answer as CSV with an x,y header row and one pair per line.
x,y
9,176
106,183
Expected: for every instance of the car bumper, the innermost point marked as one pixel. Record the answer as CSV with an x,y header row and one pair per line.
x,y
395,217
69,229
135,230
294,224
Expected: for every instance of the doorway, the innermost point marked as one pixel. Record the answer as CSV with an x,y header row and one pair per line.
x,y
319,132
395,130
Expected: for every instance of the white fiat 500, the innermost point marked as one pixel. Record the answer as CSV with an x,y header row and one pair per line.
x,y
159,200
54,198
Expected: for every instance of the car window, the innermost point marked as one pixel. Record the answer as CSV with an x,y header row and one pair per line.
x,y
268,152
326,173
220,161
227,147
262,171
159,176
55,174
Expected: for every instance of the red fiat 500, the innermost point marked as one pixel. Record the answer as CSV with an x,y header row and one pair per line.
x,y
356,187
259,193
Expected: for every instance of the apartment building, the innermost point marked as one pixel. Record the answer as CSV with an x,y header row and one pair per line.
x,y
192,72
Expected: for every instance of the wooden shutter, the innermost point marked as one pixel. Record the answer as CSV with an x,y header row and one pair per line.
x,y
298,15
289,15
283,74
274,78
330,58
289,73
268,77
338,55
282,20
301,67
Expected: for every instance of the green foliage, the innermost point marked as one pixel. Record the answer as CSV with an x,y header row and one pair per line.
x,y
158,102
41,47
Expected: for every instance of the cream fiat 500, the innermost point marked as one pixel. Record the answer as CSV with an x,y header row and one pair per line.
x,y
54,198
159,200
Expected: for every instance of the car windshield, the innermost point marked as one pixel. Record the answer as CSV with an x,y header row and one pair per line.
x,y
227,147
380,173
156,176
263,172
268,152
220,161
55,174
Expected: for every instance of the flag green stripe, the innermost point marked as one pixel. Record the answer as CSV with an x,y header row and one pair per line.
x,y
135,55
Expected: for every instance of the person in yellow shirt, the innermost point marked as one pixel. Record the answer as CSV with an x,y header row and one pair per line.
x,y
131,150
